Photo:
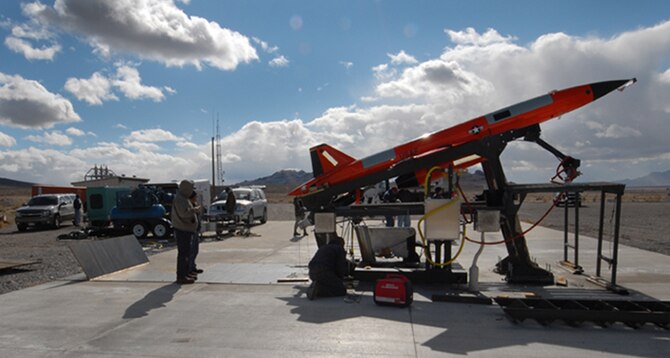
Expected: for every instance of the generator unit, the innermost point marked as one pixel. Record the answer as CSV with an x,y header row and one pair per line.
x,y
394,290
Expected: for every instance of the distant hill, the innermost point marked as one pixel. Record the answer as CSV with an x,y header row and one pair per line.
x,y
653,179
281,181
473,181
14,183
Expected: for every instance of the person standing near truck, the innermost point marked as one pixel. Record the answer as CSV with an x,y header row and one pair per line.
x,y
185,223
195,242
231,202
77,210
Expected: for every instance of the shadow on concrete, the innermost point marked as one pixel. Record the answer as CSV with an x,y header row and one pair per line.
x,y
475,328
153,300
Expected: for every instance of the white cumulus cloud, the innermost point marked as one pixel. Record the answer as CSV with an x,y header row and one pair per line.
x,y
27,104
75,132
402,58
53,138
94,90
33,42
280,61
127,80
152,135
152,29
6,140
29,51
618,131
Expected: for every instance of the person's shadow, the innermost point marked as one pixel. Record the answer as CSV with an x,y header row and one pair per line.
x,y
153,300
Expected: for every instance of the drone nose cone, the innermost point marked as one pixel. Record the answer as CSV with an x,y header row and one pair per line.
x,y
602,88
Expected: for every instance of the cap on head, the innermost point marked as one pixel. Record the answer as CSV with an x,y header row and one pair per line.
x,y
186,187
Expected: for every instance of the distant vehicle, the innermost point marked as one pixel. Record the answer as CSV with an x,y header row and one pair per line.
x,y
570,199
251,204
41,189
45,210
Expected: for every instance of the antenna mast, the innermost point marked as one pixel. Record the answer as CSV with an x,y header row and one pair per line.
x,y
219,160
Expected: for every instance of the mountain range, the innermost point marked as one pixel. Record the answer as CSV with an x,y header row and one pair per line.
x,y
14,183
652,179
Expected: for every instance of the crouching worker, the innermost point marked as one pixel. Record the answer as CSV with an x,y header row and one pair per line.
x,y
327,270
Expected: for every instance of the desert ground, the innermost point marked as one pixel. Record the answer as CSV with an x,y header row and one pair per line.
x,y
645,222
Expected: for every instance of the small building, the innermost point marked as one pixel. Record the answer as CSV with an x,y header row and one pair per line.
x,y
103,176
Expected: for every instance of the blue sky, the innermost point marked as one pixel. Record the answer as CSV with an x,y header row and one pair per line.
x,y
135,85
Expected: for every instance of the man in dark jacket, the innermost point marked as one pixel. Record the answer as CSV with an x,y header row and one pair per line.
x,y
185,223
327,270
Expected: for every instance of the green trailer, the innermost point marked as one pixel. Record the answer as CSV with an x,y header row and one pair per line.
x,y
100,201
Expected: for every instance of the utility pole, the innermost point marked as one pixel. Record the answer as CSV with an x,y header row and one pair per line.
x,y
219,159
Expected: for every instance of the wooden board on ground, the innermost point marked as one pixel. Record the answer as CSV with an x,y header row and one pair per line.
x,y
5,263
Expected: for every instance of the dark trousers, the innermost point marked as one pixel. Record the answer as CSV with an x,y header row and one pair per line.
x,y
195,248
184,239
328,284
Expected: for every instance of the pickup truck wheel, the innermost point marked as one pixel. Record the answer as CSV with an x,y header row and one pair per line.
x,y
264,218
161,230
56,222
22,227
140,230
250,218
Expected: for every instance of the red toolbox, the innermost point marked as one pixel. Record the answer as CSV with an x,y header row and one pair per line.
x,y
394,290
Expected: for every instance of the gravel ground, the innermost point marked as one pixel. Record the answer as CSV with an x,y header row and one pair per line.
x,y
644,225
56,259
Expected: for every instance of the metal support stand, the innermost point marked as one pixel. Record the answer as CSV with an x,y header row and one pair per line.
x,y
571,265
613,261
604,188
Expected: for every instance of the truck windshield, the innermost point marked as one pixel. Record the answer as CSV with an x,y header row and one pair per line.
x,y
242,195
43,200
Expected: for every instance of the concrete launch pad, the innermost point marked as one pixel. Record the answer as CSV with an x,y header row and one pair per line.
x,y
251,301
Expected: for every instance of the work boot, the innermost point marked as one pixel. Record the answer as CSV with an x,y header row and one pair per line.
x,y
185,281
